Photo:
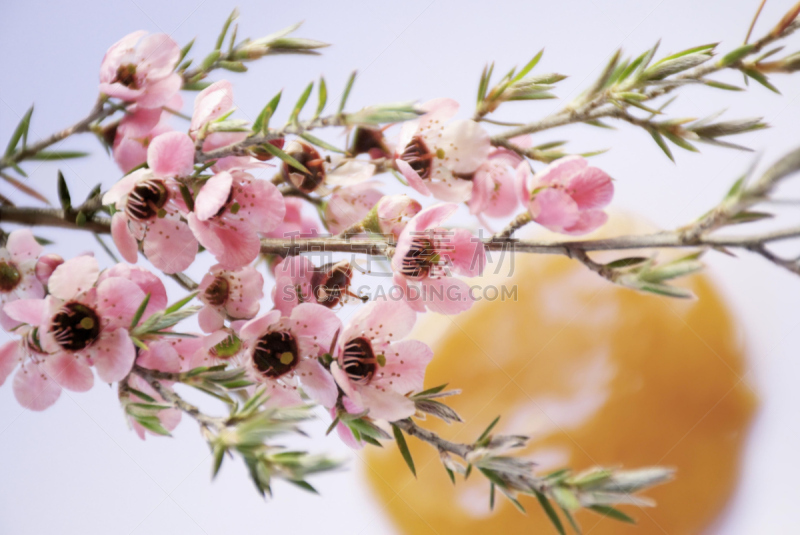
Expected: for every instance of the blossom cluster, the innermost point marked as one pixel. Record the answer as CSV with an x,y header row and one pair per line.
x,y
73,320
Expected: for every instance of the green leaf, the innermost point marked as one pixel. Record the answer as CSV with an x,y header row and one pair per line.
x,y
527,68
63,193
180,304
234,14
185,50
735,55
323,96
140,394
434,390
761,79
660,142
49,155
610,512
261,125
571,521
209,60
233,66
450,474
626,262
303,485
483,85
152,423
679,141
195,86
140,311
488,429
491,496
219,456
301,102
403,447
187,196
19,132
319,143
275,151
708,49
551,513
720,85
346,93
665,290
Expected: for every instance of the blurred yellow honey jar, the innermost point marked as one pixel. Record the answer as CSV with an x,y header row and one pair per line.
x,y
596,375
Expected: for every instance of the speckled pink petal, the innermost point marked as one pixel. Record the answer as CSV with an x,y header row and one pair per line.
x,y
406,361
113,355
554,209
386,405
589,220
315,321
171,154
412,177
233,247
381,321
10,356
74,276
30,311
447,295
210,320
465,144
158,93
33,389
124,186
23,246
213,196
260,202
317,382
592,188
169,244
467,253
118,300
258,326
126,244
69,371
211,103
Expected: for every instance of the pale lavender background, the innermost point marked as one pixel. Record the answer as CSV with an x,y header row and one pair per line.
x,y
76,468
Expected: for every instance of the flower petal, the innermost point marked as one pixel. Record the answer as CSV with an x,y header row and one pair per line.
x,y
213,196
10,356
406,361
554,209
74,276
23,246
169,244
592,188
72,373
386,404
171,154
113,355
30,311
317,382
258,326
33,389
126,244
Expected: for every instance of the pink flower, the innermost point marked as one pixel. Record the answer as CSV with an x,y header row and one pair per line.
x,y
84,321
137,129
282,353
393,213
493,184
297,281
40,377
374,367
567,196
18,272
348,205
295,223
425,256
230,212
148,282
149,204
171,355
141,69
435,158
229,294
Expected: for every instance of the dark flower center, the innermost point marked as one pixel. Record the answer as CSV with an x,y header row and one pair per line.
x,y
417,155
276,354
75,326
358,361
330,282
217,292
9,277
420,258
310,158
126,75
369,140
146,200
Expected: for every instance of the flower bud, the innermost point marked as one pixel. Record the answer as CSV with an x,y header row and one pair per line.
x,y
370,141
259,153
311,159
390,215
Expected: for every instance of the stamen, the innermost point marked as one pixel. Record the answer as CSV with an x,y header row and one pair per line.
x,y
358,361
146,200
417,155
75,327
276,354
10,276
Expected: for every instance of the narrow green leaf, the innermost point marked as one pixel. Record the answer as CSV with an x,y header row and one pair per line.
x,y
320,143
209,60
626,262
488,429
275,151
185,50
323,96
660,142
735,55
551,513
195,86
610,512
761,79
180,304
333,425
19,132
233,66
152,423
665,290
140,311
346,93
301,102
140,394
403,447
720,85
434,390
450,474
571,521
234,14
303,485
696,50
679,141
491,496
483,85
219,456
49,155
187,196
63,193
600,124
527,68
261,125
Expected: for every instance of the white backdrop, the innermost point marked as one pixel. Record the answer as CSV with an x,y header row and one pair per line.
x,y
77,469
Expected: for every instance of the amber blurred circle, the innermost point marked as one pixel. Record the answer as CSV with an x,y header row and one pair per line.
x,y
597,375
